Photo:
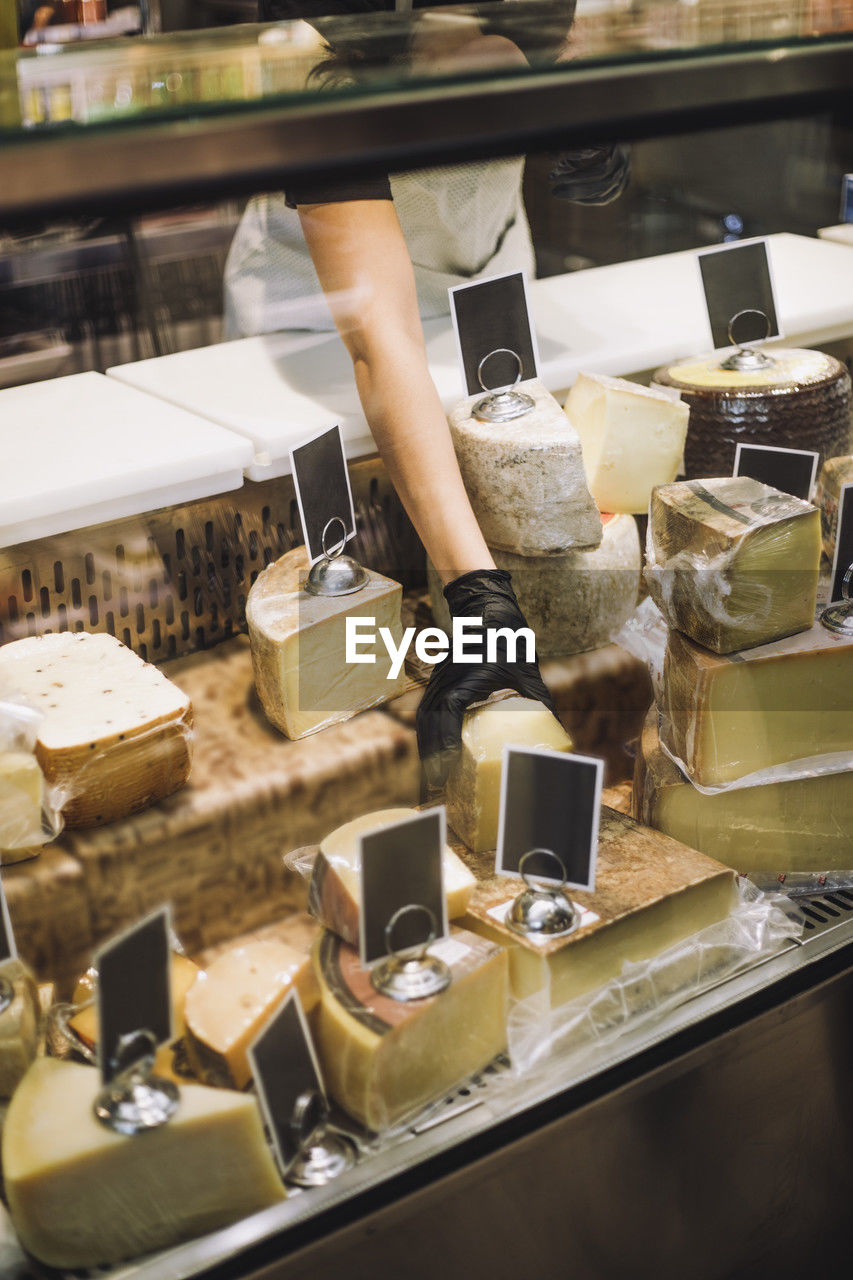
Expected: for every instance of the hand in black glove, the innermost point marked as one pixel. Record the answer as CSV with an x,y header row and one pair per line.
x,y
591,175
453,687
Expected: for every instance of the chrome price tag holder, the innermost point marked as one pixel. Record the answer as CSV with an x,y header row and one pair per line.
x,y
543,910
7,994
410,973
136,1100
839,617
322,1155
336,574
747,359
502,404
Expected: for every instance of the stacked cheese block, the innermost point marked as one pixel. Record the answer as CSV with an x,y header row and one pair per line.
x,y
753,762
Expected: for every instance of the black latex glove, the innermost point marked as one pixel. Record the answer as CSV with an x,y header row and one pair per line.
x,y
453,687
591,175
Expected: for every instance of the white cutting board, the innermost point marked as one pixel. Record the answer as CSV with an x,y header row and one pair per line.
x,y
85,449
623,319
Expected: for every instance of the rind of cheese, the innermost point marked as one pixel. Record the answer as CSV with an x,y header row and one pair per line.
x,y
85,1022
573,602
116,734
525,478
474,785
20,1027
83,1196
632,439
21,800
299,644
835,473
383,1060
228,1005
334,894
727,717
802,825
732,562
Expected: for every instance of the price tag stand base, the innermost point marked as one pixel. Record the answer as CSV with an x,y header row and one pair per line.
x,y
323,1161
414,978
133,1105
7,994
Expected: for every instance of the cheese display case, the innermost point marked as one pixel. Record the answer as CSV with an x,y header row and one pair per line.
x,y
655,1087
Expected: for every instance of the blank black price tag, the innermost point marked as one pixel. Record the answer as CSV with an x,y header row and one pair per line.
x,y
494,315
843,559
134,987
323,490
402,866
791,470
737,278
285,1070
550,800
847,198
8,947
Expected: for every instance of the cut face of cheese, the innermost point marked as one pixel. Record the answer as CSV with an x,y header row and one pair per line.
x,y
650,893
83,1196
525,478
803,825
85,1022
21,797
733,563
727,717
116,733
227,1006
334,895
632,439
835,474
384,1060
299,647
474,785
19,1027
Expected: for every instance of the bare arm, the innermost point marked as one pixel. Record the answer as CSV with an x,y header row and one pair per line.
x,y
364,268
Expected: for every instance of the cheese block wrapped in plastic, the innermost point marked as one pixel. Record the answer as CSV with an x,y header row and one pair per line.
x,y
525,477
834,475
632,439
28,813
299,647
20,1026
474,785
83,1196
383,1060
334,892
781,710
732,562
573,602
116,734
803,825
229,1003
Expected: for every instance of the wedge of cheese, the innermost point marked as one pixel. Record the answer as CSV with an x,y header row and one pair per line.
x,y
85,1022
834,475
632,439
474,785
384,1060
729,716
525,477
298,643
334,894
229,1003
803,825
650,893
116,734
83,1196
21,799
732,562
20,1026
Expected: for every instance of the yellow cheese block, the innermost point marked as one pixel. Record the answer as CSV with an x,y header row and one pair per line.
x,y
20,1026
732,562
299,647
729,716
21,796
229,1003
334,895
473,789
83,1196
383,1060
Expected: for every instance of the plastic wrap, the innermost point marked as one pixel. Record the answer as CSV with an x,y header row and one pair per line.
x,y
525,477
756,929
116,735
835,473
644,635
20,1027
302,675
732,562
29,808
804,825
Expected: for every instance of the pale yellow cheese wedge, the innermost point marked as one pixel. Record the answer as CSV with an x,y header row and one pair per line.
x,y
19,1027
334,895
21,793
383,1060
83,1196
228,1004
474,786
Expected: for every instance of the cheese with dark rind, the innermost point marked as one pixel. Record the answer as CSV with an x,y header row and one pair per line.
x,y
732,562
382,1059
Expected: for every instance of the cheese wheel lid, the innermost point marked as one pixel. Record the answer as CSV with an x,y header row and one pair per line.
x,y
789,370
